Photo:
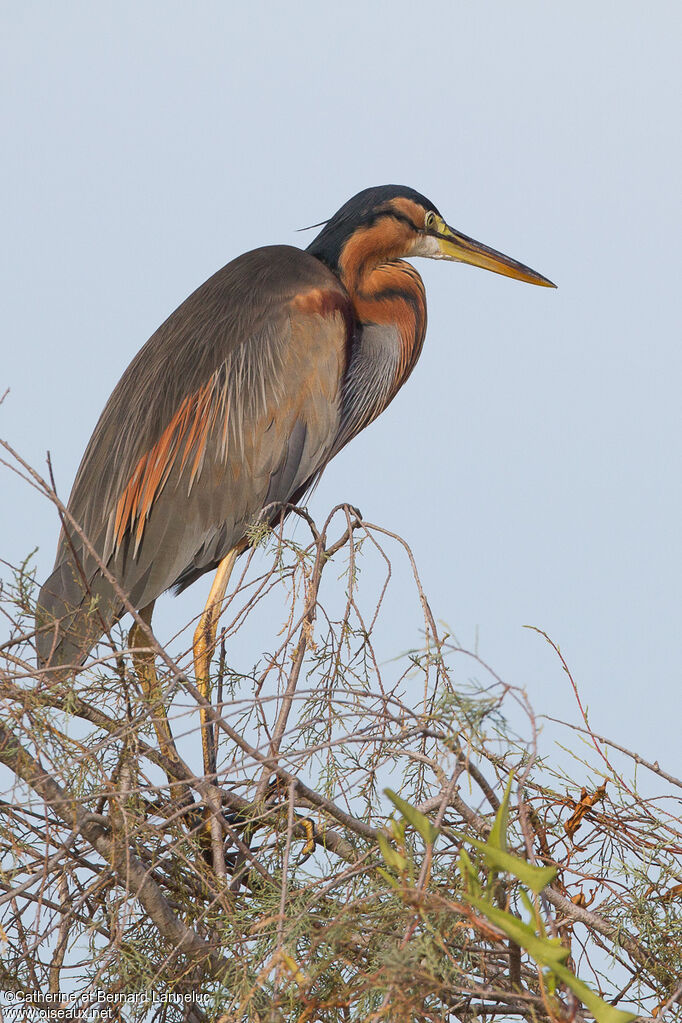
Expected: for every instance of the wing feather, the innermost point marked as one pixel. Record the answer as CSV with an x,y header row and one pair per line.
x,y
233,403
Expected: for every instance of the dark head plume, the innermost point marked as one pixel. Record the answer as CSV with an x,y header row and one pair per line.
x,y
361,210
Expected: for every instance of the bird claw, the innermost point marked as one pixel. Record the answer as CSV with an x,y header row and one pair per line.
x,y
308,827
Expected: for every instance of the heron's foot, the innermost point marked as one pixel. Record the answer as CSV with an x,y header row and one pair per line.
x,y
304,827
307,826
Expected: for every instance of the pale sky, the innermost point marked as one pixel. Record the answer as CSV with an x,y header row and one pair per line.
x,y
532,461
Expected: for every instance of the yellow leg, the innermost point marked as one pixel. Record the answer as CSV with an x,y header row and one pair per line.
x,y
204,644
144,666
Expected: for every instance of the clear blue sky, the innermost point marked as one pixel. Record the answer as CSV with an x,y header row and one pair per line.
x,y
533,459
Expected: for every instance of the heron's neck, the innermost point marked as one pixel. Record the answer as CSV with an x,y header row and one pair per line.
x,y
392,294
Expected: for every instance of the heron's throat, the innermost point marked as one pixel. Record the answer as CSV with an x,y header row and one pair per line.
x,y
392,295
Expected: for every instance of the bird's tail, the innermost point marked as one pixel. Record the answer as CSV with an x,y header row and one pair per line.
x,y
76,606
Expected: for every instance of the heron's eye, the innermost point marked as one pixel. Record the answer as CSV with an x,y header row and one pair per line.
x,y
430,221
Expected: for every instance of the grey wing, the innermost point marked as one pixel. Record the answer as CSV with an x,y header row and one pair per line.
x,y
233,404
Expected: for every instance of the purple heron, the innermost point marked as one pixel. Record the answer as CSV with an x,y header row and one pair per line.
x,y
236,405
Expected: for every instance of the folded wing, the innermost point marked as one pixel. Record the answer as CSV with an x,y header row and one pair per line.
x,y
233,404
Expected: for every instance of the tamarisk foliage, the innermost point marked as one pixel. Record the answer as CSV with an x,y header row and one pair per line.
x,y
390,847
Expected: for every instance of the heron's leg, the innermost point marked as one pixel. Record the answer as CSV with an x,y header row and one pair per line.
x,y
204,643
144,666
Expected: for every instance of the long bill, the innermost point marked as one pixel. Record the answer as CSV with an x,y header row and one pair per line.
x,y
459,247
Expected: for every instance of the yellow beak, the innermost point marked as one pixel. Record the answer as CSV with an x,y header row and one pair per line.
x,y
456,246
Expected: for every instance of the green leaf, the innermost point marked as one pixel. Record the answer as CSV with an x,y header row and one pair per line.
x,y
418,820
550,981
388,877
523,934
526,901
498,832
535,878
469,873
552,954
392,857
601,1010
398,830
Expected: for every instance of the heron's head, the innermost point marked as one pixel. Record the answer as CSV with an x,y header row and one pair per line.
x,y
393,221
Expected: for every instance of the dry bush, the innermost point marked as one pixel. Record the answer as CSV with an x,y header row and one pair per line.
x,y
491,879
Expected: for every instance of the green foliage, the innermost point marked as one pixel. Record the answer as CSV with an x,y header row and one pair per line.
x,y
419,821
495,853
479,893
551,953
